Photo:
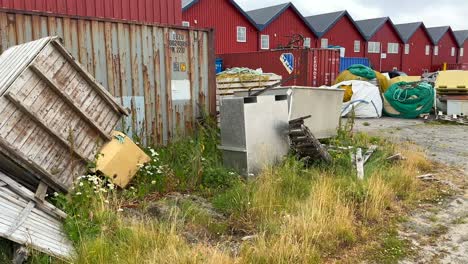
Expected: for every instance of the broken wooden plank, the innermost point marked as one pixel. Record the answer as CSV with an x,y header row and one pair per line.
x,y
396,157
25,220
27,194
20,219
359,164
304,142
369,153
41,191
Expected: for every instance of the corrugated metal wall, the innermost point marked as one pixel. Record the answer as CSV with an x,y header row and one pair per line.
x,y
346,62
150,11
164,75
313,67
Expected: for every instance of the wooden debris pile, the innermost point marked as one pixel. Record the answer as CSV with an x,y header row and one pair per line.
x,y
304,143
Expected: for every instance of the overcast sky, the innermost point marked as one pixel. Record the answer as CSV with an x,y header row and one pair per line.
x,y
433,13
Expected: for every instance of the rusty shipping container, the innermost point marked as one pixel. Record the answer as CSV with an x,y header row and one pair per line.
x,y
164,75
313,67
148,11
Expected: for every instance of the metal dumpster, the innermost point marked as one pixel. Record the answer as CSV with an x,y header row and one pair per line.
x,y
323,104
254,132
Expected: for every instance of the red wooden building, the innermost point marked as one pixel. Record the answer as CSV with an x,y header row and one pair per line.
x,y
338,29
416,54
156,11
235,31
383,43
279,25
445,46
462,40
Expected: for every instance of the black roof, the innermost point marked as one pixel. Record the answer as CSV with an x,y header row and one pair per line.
x,y
186,4
322,23
407,30
436,33
265,16
370,26
461,36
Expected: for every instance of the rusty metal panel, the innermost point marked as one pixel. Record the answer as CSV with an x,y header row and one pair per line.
x,y
313,67
143,66
161,11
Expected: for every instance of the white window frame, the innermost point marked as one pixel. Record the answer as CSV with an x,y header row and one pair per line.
x,y
185,24
324,43
392,48
307,42
357,46
428,50
452,52
436,50
267,38
407,49
239,34
373,47
462,51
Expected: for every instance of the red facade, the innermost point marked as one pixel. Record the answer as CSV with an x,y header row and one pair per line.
x,y
343,34
224,18
416,62
147,11
463,59
446,43
284,27
384,61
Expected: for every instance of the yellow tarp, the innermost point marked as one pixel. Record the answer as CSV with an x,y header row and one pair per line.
x,y
404,79
452,80
382,82
120,159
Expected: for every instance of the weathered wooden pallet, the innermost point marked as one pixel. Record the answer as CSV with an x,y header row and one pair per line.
x,y
304,143
27,219
54,115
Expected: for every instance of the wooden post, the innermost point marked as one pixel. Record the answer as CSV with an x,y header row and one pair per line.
x,y
360,164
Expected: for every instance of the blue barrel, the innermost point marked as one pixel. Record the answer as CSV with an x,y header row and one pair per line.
x,y
345,62
219,65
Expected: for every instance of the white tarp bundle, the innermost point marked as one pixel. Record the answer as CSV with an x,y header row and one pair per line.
x,y
366,100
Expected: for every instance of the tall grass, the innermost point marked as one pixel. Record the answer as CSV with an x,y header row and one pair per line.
x,y
296,214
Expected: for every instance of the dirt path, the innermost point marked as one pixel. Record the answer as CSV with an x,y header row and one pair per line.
x,y
439,233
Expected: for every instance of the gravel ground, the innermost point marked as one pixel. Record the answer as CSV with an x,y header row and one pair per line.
x,y
439,233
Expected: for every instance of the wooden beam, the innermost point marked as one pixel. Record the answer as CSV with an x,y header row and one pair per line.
x,y
28,195
67,99
25,162
19,220
43,125
90,79
359,164
369,153
41,191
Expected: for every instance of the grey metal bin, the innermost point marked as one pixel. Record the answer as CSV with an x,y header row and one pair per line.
x,y
323,104
254,132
